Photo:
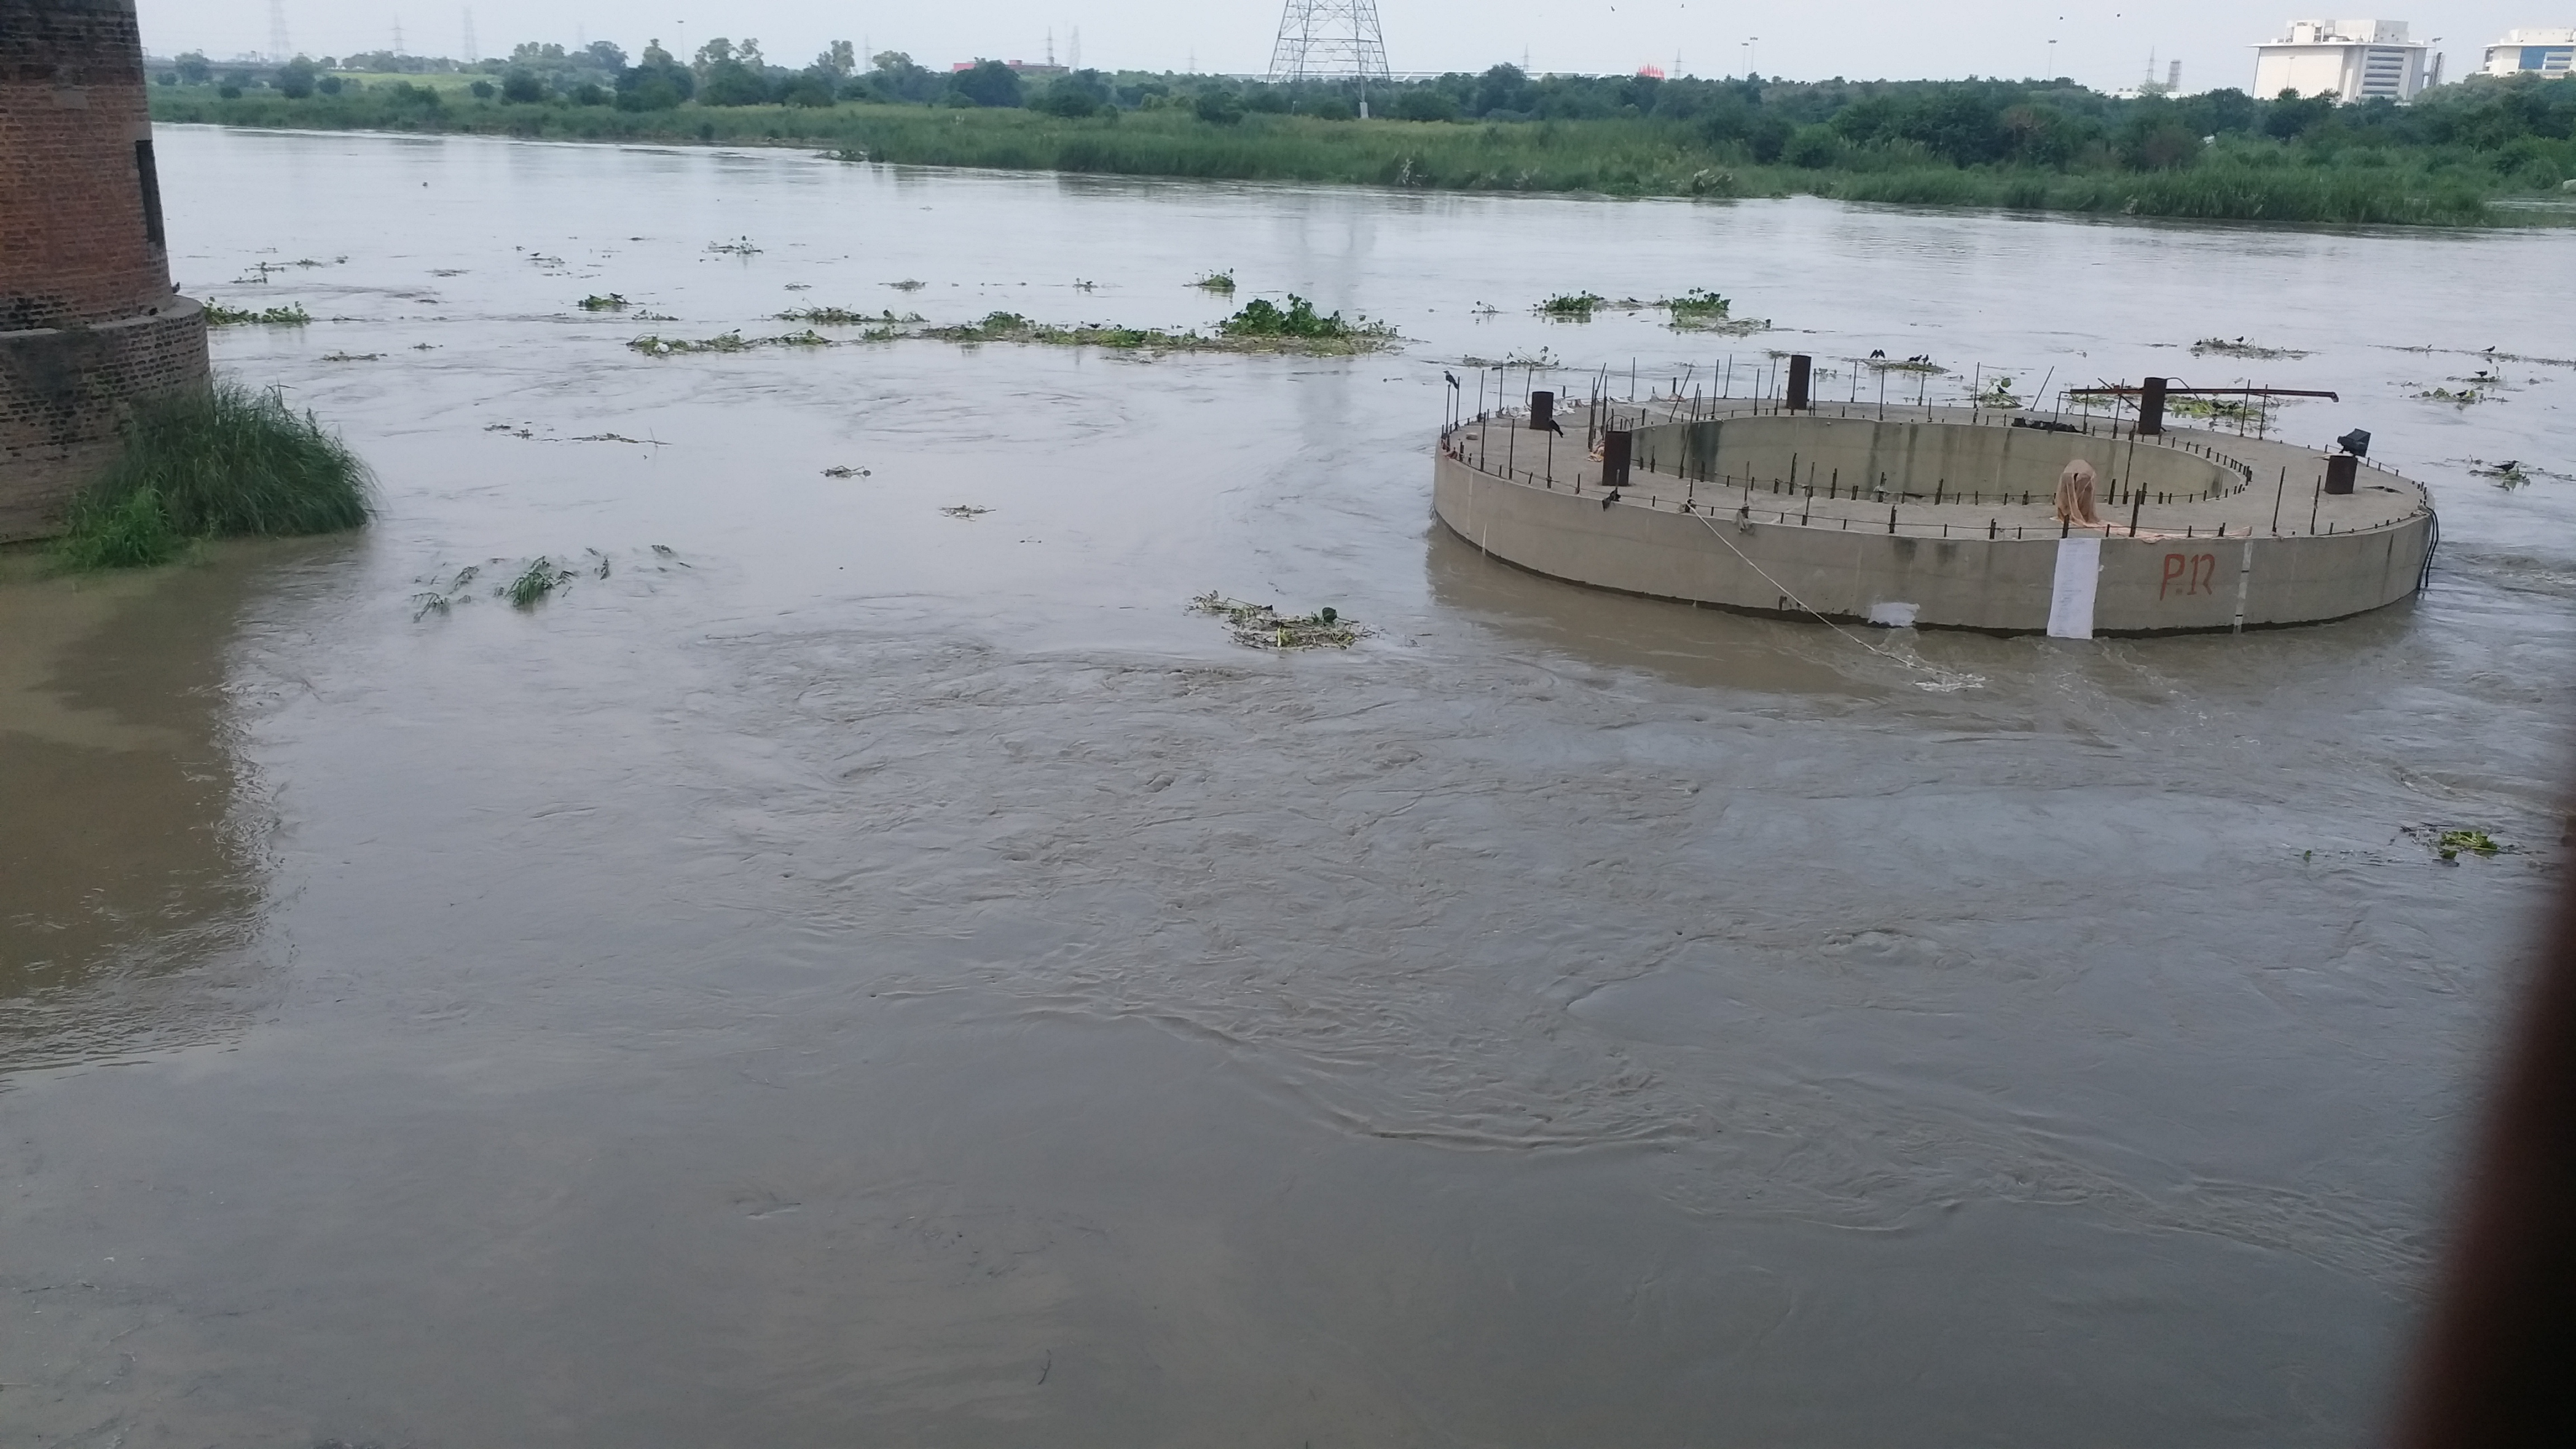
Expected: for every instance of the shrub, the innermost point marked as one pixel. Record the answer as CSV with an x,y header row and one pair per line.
x,y
480,90
1067,100
522,88
1422,103
1813,147
1218,108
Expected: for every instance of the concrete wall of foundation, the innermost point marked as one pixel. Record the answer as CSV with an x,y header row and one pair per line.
x,y
2146,585
1919,458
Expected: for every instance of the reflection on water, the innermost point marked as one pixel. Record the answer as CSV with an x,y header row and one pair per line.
x,y
129,879
842,972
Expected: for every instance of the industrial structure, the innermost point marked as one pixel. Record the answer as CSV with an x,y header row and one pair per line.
x,y
2351,60
1329,40
90,325
1970,516
2550,53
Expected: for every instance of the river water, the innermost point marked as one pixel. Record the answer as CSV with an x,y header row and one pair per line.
x,y
860,974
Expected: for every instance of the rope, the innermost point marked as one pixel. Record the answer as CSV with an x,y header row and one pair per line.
x,y
1941,680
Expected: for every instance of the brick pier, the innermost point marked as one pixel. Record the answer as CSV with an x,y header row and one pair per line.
x,y
89,322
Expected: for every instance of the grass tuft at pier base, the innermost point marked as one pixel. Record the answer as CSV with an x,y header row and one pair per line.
x,y
229,462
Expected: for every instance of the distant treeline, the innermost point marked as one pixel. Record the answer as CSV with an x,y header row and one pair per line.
x,y
2047,144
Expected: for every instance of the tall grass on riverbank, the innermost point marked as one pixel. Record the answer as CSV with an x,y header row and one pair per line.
x,y
228,462
1614,157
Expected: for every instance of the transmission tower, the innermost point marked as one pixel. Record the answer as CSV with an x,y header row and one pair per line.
x,y
278,52
472,51
1329,40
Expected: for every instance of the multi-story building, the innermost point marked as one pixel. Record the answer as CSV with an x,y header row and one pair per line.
x,y
2351,60
2532,52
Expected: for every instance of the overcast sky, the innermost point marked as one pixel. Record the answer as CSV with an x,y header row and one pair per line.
x,y
2096,43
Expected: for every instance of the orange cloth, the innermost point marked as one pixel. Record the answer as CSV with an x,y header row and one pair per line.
x,y
2075,495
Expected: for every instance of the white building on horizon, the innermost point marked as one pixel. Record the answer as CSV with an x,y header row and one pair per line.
x,y
2351,60
2532,52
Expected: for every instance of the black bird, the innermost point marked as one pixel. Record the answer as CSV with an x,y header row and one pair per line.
x,y
1453,379
1878,353
1556,427
1609,498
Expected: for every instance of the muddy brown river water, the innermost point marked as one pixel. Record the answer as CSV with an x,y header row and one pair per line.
x,y
866,975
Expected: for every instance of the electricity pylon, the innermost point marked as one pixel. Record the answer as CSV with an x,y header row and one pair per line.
x,y
1329,40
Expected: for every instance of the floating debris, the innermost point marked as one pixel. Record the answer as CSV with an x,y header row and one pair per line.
x,y
1997,394
844,317
2449,843
290,315
653,345
845,471
2218,409
1571,306
2239,347
1262,626
965,510
2474,393
534,583
908,284
1701,310
353,357
1922,364
800,286
1216,282
738,247
440,600
616,438
595,302
1543,359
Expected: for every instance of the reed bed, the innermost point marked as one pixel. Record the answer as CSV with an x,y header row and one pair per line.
x,y
1642,156
228,462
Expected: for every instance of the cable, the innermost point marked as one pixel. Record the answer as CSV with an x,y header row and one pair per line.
x,y
1942,681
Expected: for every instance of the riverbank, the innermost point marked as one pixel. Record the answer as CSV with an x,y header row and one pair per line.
x,y
1610,157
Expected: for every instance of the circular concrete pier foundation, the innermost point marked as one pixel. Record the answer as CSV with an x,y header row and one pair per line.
x,y
1939,517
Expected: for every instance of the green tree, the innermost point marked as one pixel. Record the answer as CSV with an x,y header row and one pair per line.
x,y
987,83
659,83
194,69
728,76
896,78
523,88
295,78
